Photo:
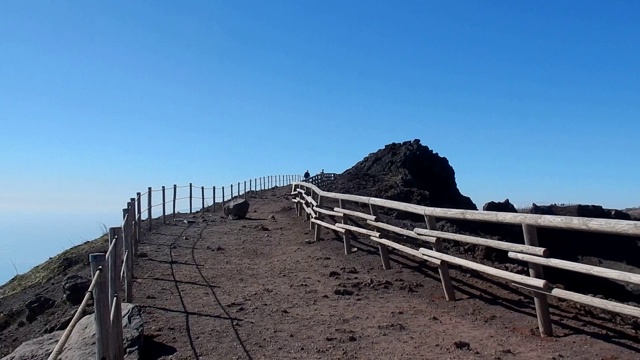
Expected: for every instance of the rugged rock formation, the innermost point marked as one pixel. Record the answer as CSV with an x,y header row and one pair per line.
x,y
82,342
504,206
408,172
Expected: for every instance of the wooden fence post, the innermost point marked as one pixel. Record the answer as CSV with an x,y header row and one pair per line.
x,y
202,193
345,235
443,268
383,249
164,208
231,187
101,306
175,194
535,271
238,189
223,195
214,199
245,190
149,217
115,266
127,253
309,217
133,221
190,198
139,214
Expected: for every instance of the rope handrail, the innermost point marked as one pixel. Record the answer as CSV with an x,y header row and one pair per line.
x,y
76,318
111,247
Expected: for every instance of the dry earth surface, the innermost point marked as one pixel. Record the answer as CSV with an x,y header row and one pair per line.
x,y
261,288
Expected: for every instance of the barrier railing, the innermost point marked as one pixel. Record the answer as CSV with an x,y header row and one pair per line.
x,y
321,179
108,272
112,273
314,203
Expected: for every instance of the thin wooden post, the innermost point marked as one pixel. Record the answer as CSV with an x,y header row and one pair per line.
x,y
127,253
115,266
202,194
101,306
231,187
238,189
214,199
297,204
309,215
132,216
250,187
190,198
175,195
316,234
164,207
443,268
114,275
139,214
345,236
383,249
535,271
223,195
245,190
149,217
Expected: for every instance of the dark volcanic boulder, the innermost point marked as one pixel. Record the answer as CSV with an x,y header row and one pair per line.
x,y
39,304
74,287
407,172
504,206
236,209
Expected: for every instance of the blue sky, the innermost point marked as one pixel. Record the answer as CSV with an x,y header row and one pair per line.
x,y
532,101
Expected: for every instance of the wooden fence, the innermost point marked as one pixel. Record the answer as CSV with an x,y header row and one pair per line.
x,y
112,273
331,211
109,273
322,179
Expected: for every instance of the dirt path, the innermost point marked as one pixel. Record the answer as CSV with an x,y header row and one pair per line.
x,y
261,289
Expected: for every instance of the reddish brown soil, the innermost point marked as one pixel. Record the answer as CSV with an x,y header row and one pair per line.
x,y
260,288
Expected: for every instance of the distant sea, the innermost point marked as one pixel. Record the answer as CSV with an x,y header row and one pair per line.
x,y
29,238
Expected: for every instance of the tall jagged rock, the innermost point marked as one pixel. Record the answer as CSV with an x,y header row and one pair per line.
x,y
407,172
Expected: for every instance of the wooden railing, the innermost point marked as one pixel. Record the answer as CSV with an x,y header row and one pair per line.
x,y
331,211
112,273
322,179
109,271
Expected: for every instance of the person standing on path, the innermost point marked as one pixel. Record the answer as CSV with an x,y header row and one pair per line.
x,y
306,175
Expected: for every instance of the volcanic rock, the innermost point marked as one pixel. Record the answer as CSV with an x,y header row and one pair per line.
x,y
500,206
74,288
82,342
408,172
236,209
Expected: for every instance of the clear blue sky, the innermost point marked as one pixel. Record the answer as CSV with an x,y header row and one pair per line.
x,y
532,101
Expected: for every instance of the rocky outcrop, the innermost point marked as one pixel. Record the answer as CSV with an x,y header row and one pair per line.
x,y
37,306
500,206
236,209
74,287
407,172
82,342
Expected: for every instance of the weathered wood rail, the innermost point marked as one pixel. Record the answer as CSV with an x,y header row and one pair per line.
x,y
112,273
322,179
319,208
